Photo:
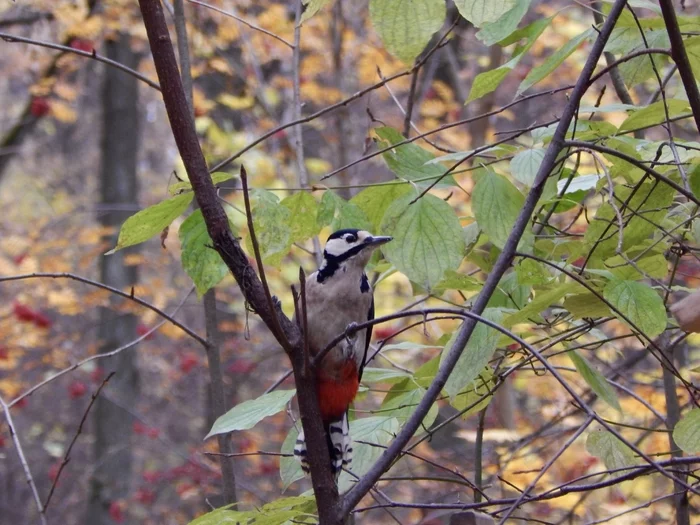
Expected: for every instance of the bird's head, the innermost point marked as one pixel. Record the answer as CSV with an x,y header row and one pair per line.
x,y
351,247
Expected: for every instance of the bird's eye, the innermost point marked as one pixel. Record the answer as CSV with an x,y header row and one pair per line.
x,y
350,238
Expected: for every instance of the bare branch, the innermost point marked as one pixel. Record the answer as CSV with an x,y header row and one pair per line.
x,y
94,55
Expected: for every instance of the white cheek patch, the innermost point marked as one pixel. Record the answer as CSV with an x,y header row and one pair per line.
x,y
336,247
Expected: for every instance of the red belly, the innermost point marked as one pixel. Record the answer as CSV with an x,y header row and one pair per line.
x,y
335,395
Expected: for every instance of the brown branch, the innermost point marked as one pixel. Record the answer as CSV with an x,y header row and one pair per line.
x,y
66,456
194,335
230,250
680,57
87,54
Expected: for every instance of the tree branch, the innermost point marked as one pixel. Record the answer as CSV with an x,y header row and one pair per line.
x,y
680,57
230,250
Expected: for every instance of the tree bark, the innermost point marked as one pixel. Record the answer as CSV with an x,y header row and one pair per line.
x,y
112,474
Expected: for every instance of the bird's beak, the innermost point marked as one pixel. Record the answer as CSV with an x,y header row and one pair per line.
x,y
377,240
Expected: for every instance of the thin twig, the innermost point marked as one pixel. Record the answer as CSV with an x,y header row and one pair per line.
x,y
23,460
93,55
112,353
244,22
66,456
130,296
276,328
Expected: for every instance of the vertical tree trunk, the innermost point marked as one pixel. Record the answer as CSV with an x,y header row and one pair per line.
x,y
113,425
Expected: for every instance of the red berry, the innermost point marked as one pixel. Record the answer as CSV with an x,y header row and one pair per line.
x,y
4,353
39,107
152,432
23,312
53,471
138,427
242,366
42,321
383,332
77,389
21,403
17,259
187,363
82,44
97,375
2,441
152,476
116,512
145,496
142,329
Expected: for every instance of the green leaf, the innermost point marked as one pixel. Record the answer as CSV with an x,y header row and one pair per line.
x,y
687,432
586,305
493,32
410,161
406,26
453,280
149,222
532,272
249,413
525,165
290,468
639,303
655,114
480,12
312,7
641,68
595,380
553,61
614,453
302,220
496,203
694,181
654,266
199,259
476,356
272,228
471,396
428,238
339,213
487,82
184,185
379,430
401,401
580,183
383,375
375,200
279,512
692,48
542,301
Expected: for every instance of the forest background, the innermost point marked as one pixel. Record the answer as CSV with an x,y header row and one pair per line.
x,y
544,209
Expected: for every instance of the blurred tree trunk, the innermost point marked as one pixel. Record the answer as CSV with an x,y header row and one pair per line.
x,y
112,474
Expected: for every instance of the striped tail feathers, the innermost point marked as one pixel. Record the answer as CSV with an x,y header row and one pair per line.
x,y
339,446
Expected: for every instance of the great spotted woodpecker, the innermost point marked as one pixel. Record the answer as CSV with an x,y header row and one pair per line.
x,y
338,295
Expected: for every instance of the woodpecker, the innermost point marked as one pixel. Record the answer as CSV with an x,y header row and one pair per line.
x,y
339,294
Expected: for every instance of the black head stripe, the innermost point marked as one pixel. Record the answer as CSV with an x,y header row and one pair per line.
x,y
340,234
333,262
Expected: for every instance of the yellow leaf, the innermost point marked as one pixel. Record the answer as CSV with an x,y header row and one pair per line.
x,y
63,112
317,166
236,103
65,301
220,65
